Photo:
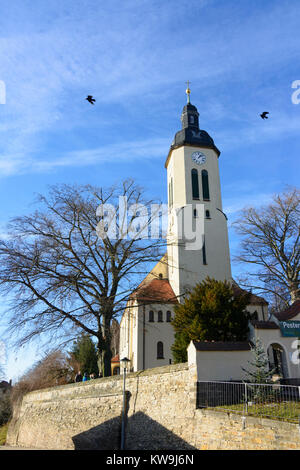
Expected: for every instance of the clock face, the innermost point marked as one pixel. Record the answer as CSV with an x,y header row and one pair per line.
x,y
198,157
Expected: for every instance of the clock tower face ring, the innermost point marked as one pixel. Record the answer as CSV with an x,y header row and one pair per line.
x,y
198,157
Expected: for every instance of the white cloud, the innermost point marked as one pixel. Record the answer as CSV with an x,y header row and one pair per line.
x,y
113,153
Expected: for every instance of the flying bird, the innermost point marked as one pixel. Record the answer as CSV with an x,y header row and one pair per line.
x,y
90,99
264,115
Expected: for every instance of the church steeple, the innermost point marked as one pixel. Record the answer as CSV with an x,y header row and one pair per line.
x,y
191,134
190,117
194,185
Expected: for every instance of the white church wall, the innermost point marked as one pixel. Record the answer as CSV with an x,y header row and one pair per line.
x,y
219,365
127,331
261,310
155,332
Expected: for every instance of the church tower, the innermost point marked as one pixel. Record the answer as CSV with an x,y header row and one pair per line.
x,y
194,194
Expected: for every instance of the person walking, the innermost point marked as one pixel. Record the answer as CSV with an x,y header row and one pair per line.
x,y
78,377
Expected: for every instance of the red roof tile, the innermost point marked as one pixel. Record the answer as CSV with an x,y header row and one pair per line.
x,y
290,312
157,290
115,358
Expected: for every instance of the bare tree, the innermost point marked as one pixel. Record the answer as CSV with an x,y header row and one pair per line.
x,y
70,267
53,369
271,246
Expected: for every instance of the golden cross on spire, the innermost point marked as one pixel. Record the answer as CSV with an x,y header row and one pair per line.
x,y
188,91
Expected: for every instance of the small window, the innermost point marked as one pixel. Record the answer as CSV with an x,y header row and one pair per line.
x,y
195,184
151,316
160,350
207,214
169,316
160,316
195,214
160,276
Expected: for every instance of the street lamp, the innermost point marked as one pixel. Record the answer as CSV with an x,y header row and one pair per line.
x,y
124,362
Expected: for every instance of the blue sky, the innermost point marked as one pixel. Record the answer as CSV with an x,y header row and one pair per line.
x,y
134,57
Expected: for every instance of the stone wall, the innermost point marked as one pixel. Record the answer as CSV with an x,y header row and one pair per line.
x,y
161,414
226,431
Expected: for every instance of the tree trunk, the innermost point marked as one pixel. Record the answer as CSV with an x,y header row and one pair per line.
x,y
294,291
104,350
100,361
106,361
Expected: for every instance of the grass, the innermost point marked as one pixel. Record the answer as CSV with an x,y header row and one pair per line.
x,y
286,411
3,432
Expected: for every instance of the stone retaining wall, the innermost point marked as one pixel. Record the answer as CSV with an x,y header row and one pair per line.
x,y
161,414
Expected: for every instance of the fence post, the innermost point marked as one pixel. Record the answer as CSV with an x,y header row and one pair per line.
x,y
246,400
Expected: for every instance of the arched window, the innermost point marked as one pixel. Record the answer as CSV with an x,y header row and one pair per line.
x,y
195,184
159,316
277,359
207,214
205,186
151,316
169,316
160,350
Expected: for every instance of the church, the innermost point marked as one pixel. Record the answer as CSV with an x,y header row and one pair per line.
x,y
193,181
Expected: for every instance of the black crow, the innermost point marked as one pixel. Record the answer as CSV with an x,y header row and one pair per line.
x,y
264,115
90,99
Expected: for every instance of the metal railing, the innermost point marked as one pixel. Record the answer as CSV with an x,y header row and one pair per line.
x,y
274,401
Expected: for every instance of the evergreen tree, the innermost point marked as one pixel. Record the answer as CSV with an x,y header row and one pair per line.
x,y
259,372
210,312
85,354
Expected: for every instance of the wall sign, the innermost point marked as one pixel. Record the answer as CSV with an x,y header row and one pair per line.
x,y
290,328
